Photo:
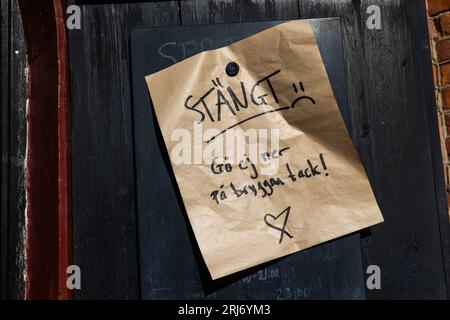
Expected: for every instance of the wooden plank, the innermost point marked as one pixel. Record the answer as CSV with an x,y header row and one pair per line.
x,y
17,202
229,11
48,228
42,163
392,114
425,85
13,142
64,157
317,266
104,224
13,121
4,143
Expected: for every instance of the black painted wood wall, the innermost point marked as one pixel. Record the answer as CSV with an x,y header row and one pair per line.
x,y
13,97
392,119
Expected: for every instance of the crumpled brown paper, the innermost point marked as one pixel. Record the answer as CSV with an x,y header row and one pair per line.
x,y
297,184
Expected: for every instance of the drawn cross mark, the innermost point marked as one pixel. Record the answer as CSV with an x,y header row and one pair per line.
x,y
275,218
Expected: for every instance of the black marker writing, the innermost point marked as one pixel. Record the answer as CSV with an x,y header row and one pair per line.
x,y
261,97
270,219
217,195
244,165
265,187
310,171
223,97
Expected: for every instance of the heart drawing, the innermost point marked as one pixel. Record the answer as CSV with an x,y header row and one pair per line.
x,y
270,219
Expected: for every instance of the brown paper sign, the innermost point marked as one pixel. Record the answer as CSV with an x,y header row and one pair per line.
x,y
260,152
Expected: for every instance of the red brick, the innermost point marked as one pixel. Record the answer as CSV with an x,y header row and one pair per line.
x,y
437,97
441,133
446,182
446,170
443,50
437,6
445,98
445,74
447,124
433,50
447,145
432,29
435,77
444,158
444,23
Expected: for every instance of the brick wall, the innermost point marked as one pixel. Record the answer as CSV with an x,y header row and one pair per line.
x,y
439,29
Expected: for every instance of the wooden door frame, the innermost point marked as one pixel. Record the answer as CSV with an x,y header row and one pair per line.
x,y
48,228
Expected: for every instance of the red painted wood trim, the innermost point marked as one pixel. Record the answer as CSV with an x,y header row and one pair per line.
x,y
64,152
48,236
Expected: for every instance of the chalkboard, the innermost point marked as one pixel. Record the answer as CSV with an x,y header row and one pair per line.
x,y
171,265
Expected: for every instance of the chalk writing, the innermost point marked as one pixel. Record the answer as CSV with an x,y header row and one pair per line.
x,y
263,275
176,51
303,291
